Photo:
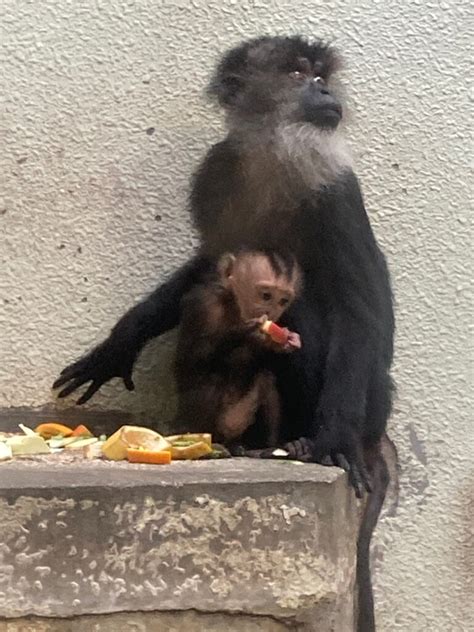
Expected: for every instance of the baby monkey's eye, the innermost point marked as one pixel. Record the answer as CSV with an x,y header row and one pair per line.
x,y
284,301
266,296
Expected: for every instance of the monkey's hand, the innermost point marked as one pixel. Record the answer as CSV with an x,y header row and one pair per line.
x,y
339,439
253,328
112,358
337,445
254,324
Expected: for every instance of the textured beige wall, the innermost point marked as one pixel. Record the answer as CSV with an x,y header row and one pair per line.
x,y
102,122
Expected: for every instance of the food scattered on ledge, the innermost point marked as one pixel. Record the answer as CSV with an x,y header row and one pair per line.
x,y
135,444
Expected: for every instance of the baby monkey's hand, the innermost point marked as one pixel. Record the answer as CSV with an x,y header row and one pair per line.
x,y
253,327
293,342
255,324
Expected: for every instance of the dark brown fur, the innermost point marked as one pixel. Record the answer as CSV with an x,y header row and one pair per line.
x,y
221,360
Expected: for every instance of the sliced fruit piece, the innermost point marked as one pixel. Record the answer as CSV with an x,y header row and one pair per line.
x,y
154,457
27,444
115,447
190,438
51,429
277,334
193,451
81,431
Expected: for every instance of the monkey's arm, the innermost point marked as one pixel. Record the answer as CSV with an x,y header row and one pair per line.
x,y
116,355
362,329
361,326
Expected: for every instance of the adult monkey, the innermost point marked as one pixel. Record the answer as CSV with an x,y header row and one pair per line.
x,y
283,177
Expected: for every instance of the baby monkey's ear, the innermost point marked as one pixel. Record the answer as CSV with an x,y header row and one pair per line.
x,y
225,266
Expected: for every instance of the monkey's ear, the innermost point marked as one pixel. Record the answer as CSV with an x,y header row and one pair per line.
x,y
226,88
225,265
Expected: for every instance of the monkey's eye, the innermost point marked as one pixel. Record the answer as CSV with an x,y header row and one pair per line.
x,y
283,302
266,296
297,74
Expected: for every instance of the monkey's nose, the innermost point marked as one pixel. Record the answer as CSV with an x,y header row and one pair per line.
x,y
318,85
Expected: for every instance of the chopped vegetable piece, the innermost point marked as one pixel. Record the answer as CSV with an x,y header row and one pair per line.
x,y
115,447
51,429
61,442
81,443
26,430
149,456
94,451
5,452
27,444
280,452
80,431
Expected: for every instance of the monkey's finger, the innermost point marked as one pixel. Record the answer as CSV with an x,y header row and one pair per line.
x,y
61,381
129,385
355,481
300,449
359,479
341,461
70,372
326,460
70,368
93,388
74,385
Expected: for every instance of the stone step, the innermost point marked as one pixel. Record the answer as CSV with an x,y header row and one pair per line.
x,y
234,544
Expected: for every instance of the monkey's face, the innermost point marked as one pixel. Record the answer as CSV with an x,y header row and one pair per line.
x,y
258,289
278,79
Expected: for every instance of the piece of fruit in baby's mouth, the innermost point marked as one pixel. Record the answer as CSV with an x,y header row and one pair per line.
x,y
277,334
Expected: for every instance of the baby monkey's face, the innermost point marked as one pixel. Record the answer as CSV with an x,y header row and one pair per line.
x,y
259,289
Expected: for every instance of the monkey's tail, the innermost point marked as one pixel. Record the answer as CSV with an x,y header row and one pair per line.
x,y
373,507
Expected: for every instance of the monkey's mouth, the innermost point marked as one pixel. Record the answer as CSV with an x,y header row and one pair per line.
x,y
324,115
328,116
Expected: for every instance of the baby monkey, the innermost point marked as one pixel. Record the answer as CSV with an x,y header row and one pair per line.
x,y
223,354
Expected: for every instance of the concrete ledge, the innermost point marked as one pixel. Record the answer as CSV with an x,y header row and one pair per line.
x,y
269,542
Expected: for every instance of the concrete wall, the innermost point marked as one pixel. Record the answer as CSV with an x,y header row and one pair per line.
x,y
102,123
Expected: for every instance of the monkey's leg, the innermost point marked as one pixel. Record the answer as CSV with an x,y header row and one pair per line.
x,y
116,355
237,415
270,406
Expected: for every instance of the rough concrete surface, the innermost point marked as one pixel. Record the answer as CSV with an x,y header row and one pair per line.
x,y
102,123
232,536
150,622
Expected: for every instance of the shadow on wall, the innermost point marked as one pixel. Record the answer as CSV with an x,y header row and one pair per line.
x,y
152,403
